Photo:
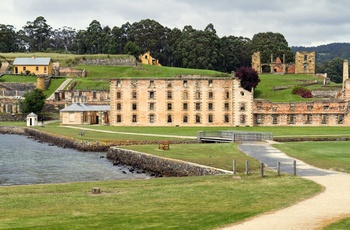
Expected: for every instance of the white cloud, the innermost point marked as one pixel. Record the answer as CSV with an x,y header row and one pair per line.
x,y
302,22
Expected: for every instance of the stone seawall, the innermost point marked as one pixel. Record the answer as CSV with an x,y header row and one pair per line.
x,y
161,165
64,142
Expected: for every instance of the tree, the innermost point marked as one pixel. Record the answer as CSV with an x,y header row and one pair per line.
x,y
62,38
34,101
333,68
248,76
132,49
38,34
271,43
7,39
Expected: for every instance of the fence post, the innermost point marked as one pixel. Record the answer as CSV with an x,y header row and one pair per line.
x,y
234,167
278,168
294,167
261,169
246,167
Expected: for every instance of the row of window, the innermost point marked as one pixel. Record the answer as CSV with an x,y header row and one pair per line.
x,y
169,83
169,95
307,119
185,106
36,68
185,118
308,107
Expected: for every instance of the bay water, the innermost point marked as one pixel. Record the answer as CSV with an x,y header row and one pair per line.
x,y
26,161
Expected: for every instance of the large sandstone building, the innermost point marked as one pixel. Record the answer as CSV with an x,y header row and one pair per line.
x,y
180,101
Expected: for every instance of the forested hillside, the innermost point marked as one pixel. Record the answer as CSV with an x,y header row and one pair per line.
x,y
326,53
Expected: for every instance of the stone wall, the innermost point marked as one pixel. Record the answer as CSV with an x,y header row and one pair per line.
x,y
163,166
130,61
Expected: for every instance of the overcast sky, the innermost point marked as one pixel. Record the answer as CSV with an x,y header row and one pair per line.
x,y
302,22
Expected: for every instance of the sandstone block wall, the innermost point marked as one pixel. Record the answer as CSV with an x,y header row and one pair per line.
x,y
164,166
130,61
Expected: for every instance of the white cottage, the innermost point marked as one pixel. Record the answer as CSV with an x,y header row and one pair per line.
x,y
32,119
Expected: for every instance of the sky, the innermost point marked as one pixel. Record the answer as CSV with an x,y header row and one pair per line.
x,y
302,22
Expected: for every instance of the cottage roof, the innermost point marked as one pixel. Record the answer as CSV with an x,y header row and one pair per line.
x,y
32,61
32,115
82,107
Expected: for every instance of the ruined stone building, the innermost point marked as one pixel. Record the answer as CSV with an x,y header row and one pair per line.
x,y
305,63
327,112
180,101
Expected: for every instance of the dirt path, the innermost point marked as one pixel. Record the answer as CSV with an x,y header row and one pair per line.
x,y
61,87
313,213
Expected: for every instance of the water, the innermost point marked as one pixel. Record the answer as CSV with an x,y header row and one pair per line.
x,y
25,161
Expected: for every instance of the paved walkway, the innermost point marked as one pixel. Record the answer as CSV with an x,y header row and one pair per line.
x,y
61,87
330,205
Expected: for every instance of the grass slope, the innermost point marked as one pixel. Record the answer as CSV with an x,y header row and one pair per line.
x,y
265,90
165,203
327,155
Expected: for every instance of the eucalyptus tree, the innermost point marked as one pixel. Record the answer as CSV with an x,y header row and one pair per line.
x,y
38,34
198,48
235,53
271,43
149,35
8,39
62,38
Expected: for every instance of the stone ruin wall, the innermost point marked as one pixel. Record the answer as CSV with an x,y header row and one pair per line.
x,y
130,61
305,63
321,113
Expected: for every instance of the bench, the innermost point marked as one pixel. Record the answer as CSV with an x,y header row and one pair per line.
x,y
165,145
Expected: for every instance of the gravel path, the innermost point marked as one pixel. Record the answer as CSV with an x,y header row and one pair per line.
x,y
314,213
61,87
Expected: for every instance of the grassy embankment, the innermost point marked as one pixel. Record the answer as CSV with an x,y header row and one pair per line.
x,y
178,203
339,225
265,90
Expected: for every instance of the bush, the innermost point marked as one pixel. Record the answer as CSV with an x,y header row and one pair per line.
x,y
301,91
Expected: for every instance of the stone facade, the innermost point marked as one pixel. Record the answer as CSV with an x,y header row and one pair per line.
x,y
180,101
305,63
122,61
313,113
83,96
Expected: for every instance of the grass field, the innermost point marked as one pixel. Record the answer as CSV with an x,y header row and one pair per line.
x,y
327,155
295,131
165,203
98,75
214,155
339,225
267,81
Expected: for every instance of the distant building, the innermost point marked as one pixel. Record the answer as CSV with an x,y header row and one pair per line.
x,y
83,114
34,65
147,59
305,63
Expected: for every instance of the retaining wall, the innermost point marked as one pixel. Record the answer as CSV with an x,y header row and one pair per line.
x,y
163,166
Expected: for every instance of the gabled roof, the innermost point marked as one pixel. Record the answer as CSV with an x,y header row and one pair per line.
x,y
32,115
32,61
81,107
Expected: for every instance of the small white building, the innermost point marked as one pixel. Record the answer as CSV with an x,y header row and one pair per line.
x,y
32,119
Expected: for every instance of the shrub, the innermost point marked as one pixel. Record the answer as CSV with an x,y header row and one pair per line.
x,y
301,91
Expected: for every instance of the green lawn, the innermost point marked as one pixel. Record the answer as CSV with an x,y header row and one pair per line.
x,y
277,131
17,78
265,90
55,83
333,155
341,224
205,202
214,155
98,76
